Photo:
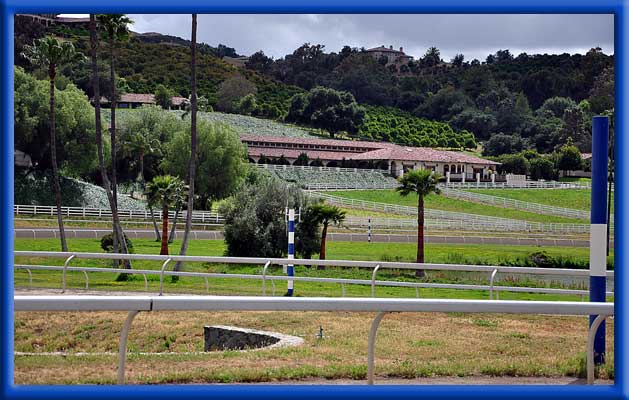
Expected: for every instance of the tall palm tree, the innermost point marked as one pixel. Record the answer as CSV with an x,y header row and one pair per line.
x,y
325,214
50,53
117,230
115,25
422,182
165,191
193,141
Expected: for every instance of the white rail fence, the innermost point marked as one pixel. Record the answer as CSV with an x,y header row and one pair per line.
x,y
375,266
136,304
350,186
515,204
86,212
519,185
471,225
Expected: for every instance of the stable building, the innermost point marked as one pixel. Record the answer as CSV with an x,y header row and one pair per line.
x,y
395,159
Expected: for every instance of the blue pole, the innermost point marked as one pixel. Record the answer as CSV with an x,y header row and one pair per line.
x,y
598,227
291,249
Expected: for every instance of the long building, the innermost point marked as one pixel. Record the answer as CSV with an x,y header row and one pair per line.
x,y
386,156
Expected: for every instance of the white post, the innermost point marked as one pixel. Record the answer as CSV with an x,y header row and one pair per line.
x,y
463,175
493,177
478,179
448,178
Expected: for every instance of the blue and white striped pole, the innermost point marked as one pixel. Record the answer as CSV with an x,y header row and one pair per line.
x,y
291,249
369,230
598,227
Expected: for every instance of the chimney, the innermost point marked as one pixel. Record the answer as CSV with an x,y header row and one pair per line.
x,y
390,47
401,49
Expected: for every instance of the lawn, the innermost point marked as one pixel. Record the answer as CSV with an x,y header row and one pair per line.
x,y
435,253
568,198
439,202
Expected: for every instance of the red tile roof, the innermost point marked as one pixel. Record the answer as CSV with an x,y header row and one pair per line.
x,y
356,150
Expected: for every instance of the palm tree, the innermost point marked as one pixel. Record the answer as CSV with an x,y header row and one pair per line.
x,y
325,214
423,182
193,141
116,27
142,142
117,229
50,53
165,191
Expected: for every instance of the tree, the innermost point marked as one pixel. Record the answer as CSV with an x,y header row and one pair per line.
x,y
163,96
247,105
163,192
49,53
74,126
457,60
192,162
221,160
255,223
118,235
327,109
502,144
302,159
542,168
557,105
258,61
115,25
231,90
422,182
569,159
326,214
513,164
431,58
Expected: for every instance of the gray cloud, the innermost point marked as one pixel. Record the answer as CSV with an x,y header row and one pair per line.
x,y
475,36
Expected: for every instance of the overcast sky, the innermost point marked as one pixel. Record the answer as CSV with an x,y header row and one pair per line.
x,y
475,36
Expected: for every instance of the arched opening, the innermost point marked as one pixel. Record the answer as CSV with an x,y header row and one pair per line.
x,y
333,164
446,169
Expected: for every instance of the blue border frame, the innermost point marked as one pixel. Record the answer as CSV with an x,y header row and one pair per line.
x,y
620,390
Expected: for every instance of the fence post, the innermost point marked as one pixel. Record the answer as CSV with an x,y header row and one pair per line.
x,y
161,277
371,346
122,348
290,271
373,280
598,228
65,268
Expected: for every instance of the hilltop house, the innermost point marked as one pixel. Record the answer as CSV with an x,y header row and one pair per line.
x,y
394,57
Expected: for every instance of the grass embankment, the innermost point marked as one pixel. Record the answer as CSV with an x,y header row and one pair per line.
x,y
440,202
408,345
578,199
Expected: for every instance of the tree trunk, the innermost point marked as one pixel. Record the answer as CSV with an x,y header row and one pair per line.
x,y
99,134
118,232
324,233
158,236
172,231
419,273
164,250
193,141
53,159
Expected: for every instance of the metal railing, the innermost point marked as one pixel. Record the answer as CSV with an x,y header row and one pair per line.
x,y
515,204
374,265
136,304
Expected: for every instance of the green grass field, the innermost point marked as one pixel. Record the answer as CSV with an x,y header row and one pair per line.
x,y
567,198
439,202
405,252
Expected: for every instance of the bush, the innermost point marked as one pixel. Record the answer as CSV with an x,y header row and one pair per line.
x,y
107,243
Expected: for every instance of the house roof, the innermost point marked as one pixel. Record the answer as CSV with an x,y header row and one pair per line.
x,y
356,150
384,50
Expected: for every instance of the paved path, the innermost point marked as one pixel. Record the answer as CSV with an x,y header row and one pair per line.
x,y
40,233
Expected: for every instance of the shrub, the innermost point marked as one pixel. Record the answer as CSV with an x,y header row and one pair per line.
x,y
107,243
